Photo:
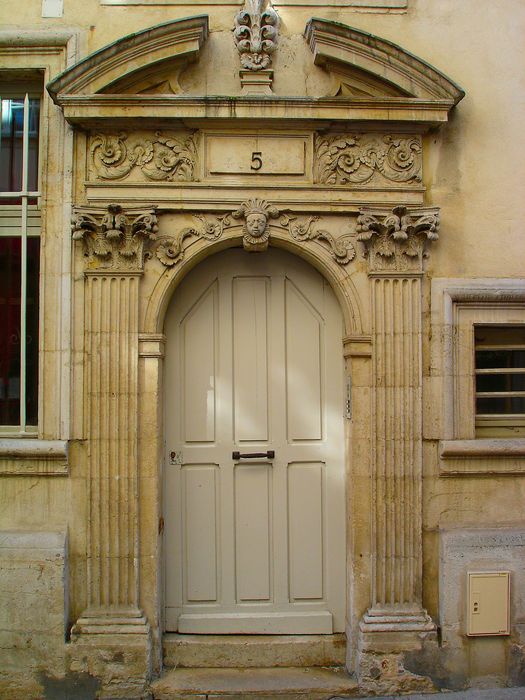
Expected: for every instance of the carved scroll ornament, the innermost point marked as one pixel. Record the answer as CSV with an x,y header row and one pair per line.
x,y
397,241
357,158
255,33
255,215
114,238
157,156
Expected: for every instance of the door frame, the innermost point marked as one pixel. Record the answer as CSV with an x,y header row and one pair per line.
x,y
356,350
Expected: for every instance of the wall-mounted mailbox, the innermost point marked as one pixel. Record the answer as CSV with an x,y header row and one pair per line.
x,y
488,603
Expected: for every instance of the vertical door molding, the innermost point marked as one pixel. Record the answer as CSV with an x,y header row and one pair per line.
x,y
395,243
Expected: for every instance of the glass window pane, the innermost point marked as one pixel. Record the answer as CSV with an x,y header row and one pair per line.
x,y
34,135
11,145
508,406
500,382
10,258
33,270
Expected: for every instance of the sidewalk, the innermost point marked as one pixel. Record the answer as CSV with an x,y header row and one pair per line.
x,y
472,694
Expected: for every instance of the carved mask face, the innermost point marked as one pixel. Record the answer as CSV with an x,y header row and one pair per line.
x,y
256,224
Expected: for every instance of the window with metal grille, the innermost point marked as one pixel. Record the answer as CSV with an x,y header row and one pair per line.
x,y
19,258
500,379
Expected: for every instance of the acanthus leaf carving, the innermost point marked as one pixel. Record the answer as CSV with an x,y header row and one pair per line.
x,y
256,32
357,158
113,238
159,157
397,241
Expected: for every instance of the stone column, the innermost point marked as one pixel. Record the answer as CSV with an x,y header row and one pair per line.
x,y
113,623
395,243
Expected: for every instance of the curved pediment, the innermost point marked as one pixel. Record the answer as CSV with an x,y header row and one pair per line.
x,y
338,75
368,65
129,60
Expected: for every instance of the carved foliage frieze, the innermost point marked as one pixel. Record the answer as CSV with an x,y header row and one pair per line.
x,y
397,240
254,216
255,34
357,159
152,156
114,239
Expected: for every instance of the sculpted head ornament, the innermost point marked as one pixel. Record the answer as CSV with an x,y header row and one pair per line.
x,y
256,213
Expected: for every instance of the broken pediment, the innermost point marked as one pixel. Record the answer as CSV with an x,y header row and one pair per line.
x,y
129,63
368,60
333,73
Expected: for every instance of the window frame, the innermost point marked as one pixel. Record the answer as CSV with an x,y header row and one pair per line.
x,y
497,424
457,306
26,55
24,194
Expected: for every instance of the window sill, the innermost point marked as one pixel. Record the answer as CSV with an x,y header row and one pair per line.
x,y
30,457
482,456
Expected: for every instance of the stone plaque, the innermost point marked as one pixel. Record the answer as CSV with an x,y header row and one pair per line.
x,y
247,154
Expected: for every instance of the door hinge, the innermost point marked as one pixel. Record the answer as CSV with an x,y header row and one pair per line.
x,y
348,401
161,525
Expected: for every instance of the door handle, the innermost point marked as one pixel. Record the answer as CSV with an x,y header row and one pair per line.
x,y
252,455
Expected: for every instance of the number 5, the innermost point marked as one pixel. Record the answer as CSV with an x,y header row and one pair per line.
x,y
256,160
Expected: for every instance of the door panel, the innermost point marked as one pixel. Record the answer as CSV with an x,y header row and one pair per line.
x,y
304,367
305,508
253,537
254,363
250,358
200,532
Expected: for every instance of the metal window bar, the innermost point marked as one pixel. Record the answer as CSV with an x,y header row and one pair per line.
x,y
24,194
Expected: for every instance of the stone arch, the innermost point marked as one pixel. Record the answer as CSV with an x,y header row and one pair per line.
x,y
316,255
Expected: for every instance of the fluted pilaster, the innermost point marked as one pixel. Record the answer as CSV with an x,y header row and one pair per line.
x,y
113,242
395,244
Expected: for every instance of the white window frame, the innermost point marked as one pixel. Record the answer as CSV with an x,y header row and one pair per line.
x,y
26,52
24,194
457,306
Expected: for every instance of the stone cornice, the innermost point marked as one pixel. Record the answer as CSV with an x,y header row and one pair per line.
x,y
86,110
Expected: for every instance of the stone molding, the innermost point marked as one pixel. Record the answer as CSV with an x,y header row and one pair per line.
x,y
396,242
30,456
170,157
356,159
114,239
170,249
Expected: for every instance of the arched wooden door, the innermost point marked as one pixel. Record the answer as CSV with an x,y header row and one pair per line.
x,y
254,365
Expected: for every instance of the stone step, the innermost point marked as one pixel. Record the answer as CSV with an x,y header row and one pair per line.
x,y
250,651
260,683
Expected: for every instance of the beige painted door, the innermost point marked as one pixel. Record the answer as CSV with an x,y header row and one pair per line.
x,y
254,364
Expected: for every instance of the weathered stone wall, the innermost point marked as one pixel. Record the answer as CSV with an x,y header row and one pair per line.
x,y
473,170
33,610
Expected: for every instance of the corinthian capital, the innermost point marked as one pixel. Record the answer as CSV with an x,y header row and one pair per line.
x,y
114,239
397,241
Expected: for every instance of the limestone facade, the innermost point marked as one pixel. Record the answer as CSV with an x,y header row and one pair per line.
x,y
331,131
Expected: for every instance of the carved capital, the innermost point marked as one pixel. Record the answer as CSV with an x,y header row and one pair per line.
x,y
114,239
255,33
397,241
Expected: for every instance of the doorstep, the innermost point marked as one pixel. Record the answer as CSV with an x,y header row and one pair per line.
x,y
261,683
253,651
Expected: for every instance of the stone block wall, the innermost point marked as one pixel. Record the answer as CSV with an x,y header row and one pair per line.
x,y
33,603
